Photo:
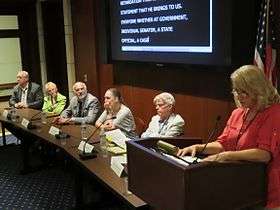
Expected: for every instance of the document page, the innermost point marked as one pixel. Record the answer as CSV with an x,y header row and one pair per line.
x,y
117,137
186,160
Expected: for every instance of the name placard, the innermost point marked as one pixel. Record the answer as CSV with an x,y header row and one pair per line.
x,y
25,122
87,148
54,130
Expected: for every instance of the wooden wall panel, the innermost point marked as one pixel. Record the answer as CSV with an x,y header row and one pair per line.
x,y
105,78
85,43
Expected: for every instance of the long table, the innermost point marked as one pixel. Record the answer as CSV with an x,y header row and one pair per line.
x,y
99,167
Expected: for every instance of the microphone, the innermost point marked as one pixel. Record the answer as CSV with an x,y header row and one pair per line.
x,y
85,156
11,113
30,124
61,134
209,138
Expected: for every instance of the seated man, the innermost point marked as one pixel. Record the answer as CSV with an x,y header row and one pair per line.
x,y
26,94
165,123
54,102
83,107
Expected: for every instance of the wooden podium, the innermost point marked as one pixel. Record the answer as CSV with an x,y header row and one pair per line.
x,y
167,185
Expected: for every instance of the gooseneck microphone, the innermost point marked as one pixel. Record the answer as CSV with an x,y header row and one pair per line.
x,y
209,137
89,155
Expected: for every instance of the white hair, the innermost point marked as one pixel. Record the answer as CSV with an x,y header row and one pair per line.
x,y
50,84
24,74
165,97
81,84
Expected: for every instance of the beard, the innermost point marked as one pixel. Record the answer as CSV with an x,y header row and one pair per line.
x,y
82,96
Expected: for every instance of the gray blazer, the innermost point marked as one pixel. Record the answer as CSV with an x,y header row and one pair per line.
x,y
173,126
90,110
124,121
35,97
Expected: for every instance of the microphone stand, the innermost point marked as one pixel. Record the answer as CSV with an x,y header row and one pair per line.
x,y
11,113
89,155
209,138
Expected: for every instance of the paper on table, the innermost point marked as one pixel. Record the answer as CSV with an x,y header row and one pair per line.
x,y
189,159
117,137
116,164
116,150
119,159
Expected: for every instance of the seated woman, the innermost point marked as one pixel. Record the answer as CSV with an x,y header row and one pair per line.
x,y
54,102
114,107
165,123
252,131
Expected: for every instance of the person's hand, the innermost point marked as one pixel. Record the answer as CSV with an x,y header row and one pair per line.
x,y
109,125
19,105
188,150
55,120
61,120
24,105
220,157
106,106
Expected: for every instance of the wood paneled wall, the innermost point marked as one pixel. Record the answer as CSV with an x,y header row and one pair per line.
x,y
84,35
198,99
201,93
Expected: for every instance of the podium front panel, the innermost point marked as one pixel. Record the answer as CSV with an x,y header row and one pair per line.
x,y
167,185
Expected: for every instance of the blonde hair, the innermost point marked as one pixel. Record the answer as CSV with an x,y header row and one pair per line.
x,y
252,80
165,97
50,84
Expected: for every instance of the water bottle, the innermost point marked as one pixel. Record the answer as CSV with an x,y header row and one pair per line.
x,y
44,118
126,192
103,142
83,130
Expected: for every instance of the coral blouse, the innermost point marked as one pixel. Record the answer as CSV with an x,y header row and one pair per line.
x,y
262,132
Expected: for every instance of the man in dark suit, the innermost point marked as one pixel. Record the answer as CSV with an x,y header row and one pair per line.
x,y
83,107
26,94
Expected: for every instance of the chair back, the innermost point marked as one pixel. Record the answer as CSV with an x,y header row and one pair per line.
x,y
140,125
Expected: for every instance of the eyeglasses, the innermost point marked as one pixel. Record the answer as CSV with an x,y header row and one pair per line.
x,y
239,92
161,105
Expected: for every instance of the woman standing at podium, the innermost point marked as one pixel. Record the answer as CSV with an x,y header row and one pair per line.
x,y
252,132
